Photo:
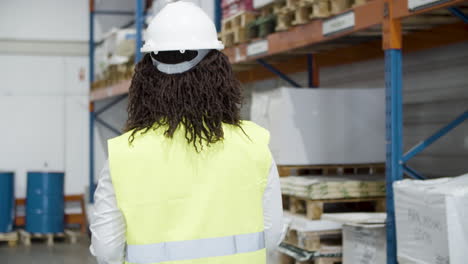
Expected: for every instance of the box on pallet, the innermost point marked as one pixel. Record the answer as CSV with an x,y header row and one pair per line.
x,y
364,244
120,45
322,126
234,7
431,220
364,237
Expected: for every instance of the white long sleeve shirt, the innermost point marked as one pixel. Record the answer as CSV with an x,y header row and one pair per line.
x,y
108,224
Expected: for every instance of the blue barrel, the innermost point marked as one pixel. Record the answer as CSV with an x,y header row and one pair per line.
x,y
7,201
45,211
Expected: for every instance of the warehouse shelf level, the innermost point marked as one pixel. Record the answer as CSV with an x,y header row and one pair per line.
x,y
391,24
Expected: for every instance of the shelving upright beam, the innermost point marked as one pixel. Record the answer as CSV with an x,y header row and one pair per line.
x,y
91,104
392,44
311,70
139,21
218,15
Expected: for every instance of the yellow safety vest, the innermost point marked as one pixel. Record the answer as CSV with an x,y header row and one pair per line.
x,y
185,207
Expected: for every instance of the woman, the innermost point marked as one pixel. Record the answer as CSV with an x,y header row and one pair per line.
x,y
189,182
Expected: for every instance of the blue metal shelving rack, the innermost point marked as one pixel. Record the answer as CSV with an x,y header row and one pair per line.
x,y
93,114
396,160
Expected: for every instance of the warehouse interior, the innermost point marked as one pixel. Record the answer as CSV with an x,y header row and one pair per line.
x,y
365,101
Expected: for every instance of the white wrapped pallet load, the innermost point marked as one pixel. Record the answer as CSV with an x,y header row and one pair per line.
x,y
101,61
323,126
364,237
364,244
120,45
431,220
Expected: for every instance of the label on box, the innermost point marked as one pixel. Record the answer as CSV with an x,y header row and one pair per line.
x,y
257,48
420,4
338,23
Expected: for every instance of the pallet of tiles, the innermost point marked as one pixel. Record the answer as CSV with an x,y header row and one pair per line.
x,y
311,239
320,9
27,238
334,186
313,209
285,259
295,255
234,29
11,238
323,260
292,13
338,6
323,241
327,169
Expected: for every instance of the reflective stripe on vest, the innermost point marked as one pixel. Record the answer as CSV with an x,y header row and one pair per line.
x,y
194,249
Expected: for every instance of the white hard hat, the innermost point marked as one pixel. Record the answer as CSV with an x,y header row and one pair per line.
x,y
181,26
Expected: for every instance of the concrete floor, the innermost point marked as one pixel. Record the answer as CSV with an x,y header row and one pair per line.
x,y
40,253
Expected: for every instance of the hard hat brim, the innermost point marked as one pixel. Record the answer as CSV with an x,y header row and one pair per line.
x,y
202,46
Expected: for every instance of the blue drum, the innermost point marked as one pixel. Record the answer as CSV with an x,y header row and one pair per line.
x,y
7,201
45,206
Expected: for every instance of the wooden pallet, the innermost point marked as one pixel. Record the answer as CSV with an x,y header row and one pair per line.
x,y
323,260
293,13
314,240
316,257
338,6
70,219
68,235
336,169
320,9
314,209
11,238
114,74
359,2
263,25
234,29
285,259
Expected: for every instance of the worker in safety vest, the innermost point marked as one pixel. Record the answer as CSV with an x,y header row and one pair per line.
x,y
188,182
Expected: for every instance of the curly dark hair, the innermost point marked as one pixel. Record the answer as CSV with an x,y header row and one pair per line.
x,y
201,99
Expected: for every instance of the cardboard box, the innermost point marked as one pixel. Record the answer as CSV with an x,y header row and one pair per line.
x,y
432,220
322,126
364,244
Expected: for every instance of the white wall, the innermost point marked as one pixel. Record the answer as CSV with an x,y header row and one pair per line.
x,y
58,20
44,89
43,108
44,20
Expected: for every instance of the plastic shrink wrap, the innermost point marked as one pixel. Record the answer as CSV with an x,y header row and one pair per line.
x,y
432,220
